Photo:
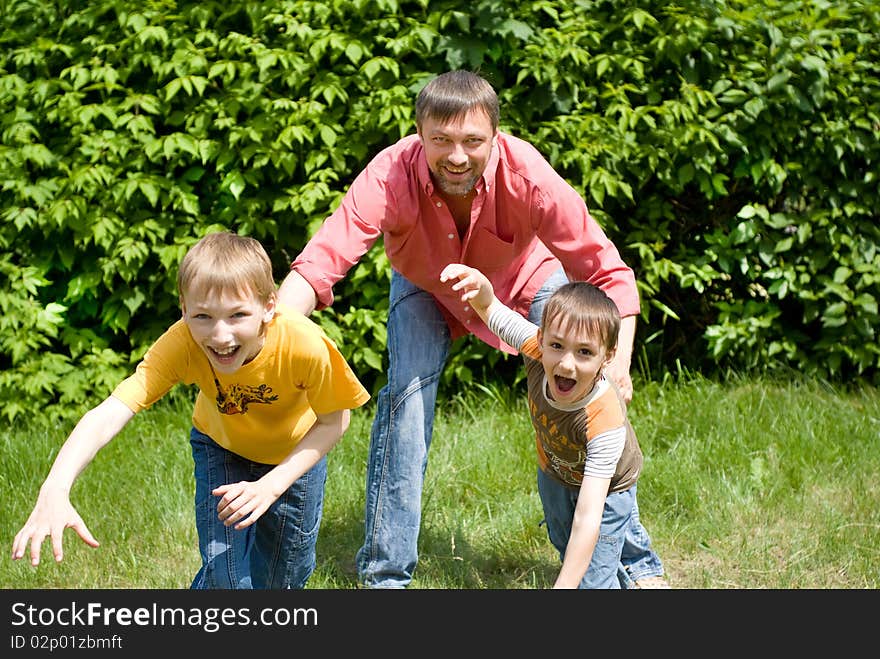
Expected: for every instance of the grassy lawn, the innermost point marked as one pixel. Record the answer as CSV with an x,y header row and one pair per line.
x,y
747,484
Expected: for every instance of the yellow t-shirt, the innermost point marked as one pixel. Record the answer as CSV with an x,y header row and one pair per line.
x,y
261,411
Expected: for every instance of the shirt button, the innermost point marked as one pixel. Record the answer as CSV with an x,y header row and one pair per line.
x,y
451,236
439,204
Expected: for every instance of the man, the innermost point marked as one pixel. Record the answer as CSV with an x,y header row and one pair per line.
x,y
458,191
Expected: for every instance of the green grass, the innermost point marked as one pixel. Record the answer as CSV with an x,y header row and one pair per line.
x,y
747,484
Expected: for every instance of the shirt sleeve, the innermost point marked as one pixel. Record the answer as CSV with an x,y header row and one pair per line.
x,y
586,253
162,367
345,236
603,453
510,327
334,385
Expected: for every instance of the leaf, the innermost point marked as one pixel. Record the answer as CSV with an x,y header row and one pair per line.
x,y
172,88
746,212
783,245
235,183
734,97
372,358
354,52
778,81
328,135
149,190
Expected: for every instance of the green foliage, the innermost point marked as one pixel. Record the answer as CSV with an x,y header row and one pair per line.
x,y
728,148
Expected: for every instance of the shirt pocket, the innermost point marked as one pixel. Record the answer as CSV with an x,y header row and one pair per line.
x,y
490,253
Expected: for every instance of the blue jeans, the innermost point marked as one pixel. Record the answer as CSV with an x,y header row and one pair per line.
x,y
276,552
617,534
418,344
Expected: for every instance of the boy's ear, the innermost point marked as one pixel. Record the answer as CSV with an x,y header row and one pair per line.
x,y
539,336
609,356
182,306
269,309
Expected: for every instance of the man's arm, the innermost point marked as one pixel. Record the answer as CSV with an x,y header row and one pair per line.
x,y
298,293
618,369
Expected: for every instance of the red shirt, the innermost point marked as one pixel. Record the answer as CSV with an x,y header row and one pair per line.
x,y
525,221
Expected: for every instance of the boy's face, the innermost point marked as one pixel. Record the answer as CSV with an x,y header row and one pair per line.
x,y
572,361
227,326
457,151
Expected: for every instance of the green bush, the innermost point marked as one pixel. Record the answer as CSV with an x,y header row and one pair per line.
x,y
729,148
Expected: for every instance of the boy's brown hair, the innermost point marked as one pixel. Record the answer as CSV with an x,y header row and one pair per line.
x,y
579,306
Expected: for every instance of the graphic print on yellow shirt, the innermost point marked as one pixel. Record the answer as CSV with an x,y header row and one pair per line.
x,y
264,409
236,399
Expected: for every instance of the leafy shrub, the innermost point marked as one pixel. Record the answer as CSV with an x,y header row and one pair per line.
x,y
729,149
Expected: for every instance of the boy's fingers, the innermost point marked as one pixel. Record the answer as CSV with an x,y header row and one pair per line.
x,y
57,544
20,546
83,532
451,271
16,550
36,546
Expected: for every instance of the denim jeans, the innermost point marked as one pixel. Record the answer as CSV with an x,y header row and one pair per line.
x,y
418,344
276,552
606,569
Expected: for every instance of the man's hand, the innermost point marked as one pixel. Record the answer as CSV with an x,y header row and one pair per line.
x,y
296,292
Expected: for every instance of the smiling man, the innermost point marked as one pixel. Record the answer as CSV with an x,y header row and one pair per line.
x,y
457,191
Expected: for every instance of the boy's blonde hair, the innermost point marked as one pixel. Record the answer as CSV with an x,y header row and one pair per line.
x,y
582,307
225,261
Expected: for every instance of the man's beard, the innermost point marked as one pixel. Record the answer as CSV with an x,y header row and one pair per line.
x,y
456,189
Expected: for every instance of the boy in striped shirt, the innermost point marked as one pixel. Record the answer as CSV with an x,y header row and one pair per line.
x,y
589,458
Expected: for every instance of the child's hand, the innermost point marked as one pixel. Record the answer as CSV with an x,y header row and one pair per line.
x,y
243,503
473,284
51,515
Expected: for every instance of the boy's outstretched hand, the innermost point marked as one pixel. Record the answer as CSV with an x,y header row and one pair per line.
x,y
52,514
474,285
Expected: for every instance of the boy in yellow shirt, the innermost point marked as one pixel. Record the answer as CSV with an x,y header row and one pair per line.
x,y
274,397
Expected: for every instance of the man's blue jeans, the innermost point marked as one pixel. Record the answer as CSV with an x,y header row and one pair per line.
x,y
276,552
418,344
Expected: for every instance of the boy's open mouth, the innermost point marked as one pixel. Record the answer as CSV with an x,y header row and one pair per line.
x,y
564,385
226,355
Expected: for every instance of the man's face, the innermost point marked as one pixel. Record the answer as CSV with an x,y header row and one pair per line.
x,y
457,150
